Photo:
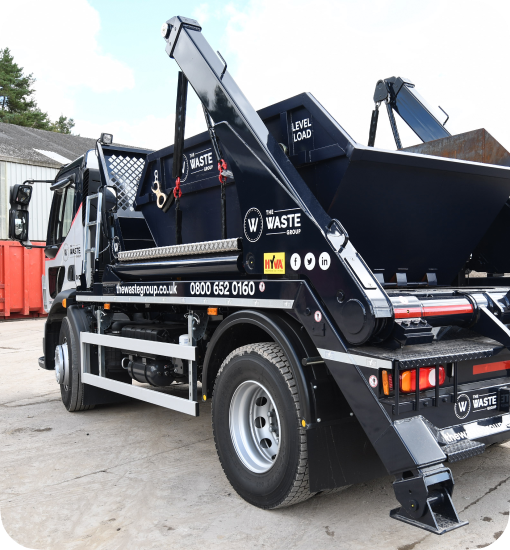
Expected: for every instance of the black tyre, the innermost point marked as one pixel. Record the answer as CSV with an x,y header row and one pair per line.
x,y
72,393
257,427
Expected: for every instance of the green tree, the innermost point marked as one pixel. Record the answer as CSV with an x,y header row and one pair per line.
x,y
17,105
63,125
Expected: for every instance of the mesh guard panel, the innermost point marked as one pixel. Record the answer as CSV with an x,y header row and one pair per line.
x,y
125,172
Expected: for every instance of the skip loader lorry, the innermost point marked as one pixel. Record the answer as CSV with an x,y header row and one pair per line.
x,y
318,291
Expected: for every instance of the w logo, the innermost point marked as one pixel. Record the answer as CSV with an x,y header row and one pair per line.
x,y
253,224
463,406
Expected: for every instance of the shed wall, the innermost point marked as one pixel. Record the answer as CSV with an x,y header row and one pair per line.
x,y
12,173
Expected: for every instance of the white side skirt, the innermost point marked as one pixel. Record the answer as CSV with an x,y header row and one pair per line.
x,y
143,394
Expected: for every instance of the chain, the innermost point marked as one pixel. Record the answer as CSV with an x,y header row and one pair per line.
x,y
177,188
222,166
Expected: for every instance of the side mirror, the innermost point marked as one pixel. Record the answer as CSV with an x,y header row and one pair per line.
x,y
63,183
20,196
50,251
18,214
18,225
109,199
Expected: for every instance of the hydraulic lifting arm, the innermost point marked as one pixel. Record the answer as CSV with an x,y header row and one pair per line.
x,y
265,177
399,95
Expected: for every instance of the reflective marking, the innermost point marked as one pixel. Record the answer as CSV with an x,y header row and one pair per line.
x,y
360,360
476,429
361,271
213,300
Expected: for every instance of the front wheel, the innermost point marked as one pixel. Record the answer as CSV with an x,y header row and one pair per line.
x,y
67,369
257,427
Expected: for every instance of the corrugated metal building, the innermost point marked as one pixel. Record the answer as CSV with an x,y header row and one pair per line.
x,y
27,153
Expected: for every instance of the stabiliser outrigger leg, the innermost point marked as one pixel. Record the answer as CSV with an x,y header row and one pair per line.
x,y
426,500
425,492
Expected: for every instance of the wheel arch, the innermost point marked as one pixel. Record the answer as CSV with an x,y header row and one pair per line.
x,y
53,323
263,326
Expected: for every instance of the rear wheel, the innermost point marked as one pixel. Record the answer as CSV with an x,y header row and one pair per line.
x,y
67,369
257,427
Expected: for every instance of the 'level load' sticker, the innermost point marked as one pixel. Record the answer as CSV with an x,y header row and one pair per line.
x,y
274,263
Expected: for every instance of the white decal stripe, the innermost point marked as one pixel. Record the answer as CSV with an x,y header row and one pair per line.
x,y
212,301
473,430
359,360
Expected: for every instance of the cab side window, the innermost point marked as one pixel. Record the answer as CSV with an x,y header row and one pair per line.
x,y
61,216
68,209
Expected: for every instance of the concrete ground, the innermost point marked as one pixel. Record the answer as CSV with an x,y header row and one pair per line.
x,y
135,476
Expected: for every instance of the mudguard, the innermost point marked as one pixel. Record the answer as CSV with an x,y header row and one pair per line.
x,y
283,330
52,326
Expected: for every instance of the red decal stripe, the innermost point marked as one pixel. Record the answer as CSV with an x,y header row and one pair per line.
x,y
491,367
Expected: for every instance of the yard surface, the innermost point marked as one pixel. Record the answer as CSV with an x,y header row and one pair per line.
x,y
135,476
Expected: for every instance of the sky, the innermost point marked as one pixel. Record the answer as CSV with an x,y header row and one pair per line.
x,y
103,63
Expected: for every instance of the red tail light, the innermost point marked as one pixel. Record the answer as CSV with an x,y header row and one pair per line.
x,y
408,379
427,379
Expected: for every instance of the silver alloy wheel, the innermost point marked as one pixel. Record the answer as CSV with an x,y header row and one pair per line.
x,y
62,365
254,426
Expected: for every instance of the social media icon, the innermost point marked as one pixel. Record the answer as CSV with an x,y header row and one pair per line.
x,y
295,262
324,260
309,261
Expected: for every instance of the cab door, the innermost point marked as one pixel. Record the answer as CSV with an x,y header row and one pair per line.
x,y
60,269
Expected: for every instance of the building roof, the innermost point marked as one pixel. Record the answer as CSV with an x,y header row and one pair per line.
x,y
40,147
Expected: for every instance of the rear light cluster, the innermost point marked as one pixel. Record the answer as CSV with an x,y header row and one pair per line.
x,y
407,379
